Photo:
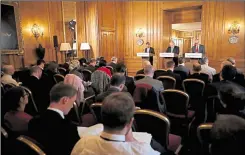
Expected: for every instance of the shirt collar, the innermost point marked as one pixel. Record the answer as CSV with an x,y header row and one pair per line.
x,y
181,64
113,137
58,111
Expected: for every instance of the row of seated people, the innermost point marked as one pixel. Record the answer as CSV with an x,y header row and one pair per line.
x,y
149,73
58,136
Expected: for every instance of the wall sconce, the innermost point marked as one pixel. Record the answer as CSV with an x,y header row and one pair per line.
x,y
36,31
140,33
234,28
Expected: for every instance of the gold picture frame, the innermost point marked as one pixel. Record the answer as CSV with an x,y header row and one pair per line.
x,y
19,50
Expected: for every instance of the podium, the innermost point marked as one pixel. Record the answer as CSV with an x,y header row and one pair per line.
x,y
145,56
194,57
167,57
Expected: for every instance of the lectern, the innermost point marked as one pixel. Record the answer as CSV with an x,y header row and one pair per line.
x,y
193,56
166,57
145,56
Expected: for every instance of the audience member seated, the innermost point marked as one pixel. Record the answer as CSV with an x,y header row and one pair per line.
x,y
207,69
239,78
7,78
77,83
14,102
51,129
117,138
74,67
47,79
170,69
41,63
181,67
113,63
83,63
189,64
231,100
91,65
36,87
148,79
102,68
216,77
228,136
196,73
116,85
129,83
145,63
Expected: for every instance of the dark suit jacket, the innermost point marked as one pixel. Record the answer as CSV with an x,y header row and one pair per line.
x,y
113,65
140,71
239,78
56,134
130,84
176,76
175,50
151,51
91,68
37,89
103,95
199,76
183,69
200,50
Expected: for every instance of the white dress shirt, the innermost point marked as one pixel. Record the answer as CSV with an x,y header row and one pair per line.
x,y
8,79
58,111
148,50
110,144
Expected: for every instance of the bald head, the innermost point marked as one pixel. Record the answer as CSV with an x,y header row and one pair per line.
x,y
196,68
149,70
8,69
146,63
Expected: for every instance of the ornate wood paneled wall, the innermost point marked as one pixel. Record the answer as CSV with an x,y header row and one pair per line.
x,y
216,16
47,15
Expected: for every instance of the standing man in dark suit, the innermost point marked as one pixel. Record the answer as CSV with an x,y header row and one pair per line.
x,y
198,48
51,129
173,49
149,49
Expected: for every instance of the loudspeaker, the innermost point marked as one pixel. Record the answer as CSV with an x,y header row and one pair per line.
x,y
55,38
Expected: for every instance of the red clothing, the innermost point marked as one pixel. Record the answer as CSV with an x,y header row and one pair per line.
x,y
106,70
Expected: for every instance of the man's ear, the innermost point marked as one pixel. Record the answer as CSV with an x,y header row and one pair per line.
x,y
64,100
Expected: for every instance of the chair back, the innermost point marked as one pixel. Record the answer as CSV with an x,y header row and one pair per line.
x,y
176,103
182,74
62,71
28,146
8,86
157,124
139,76
76,110
86,75
31,99
168,82
110,68
96,111
88,101
58,78
193,87
203,134
159,72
